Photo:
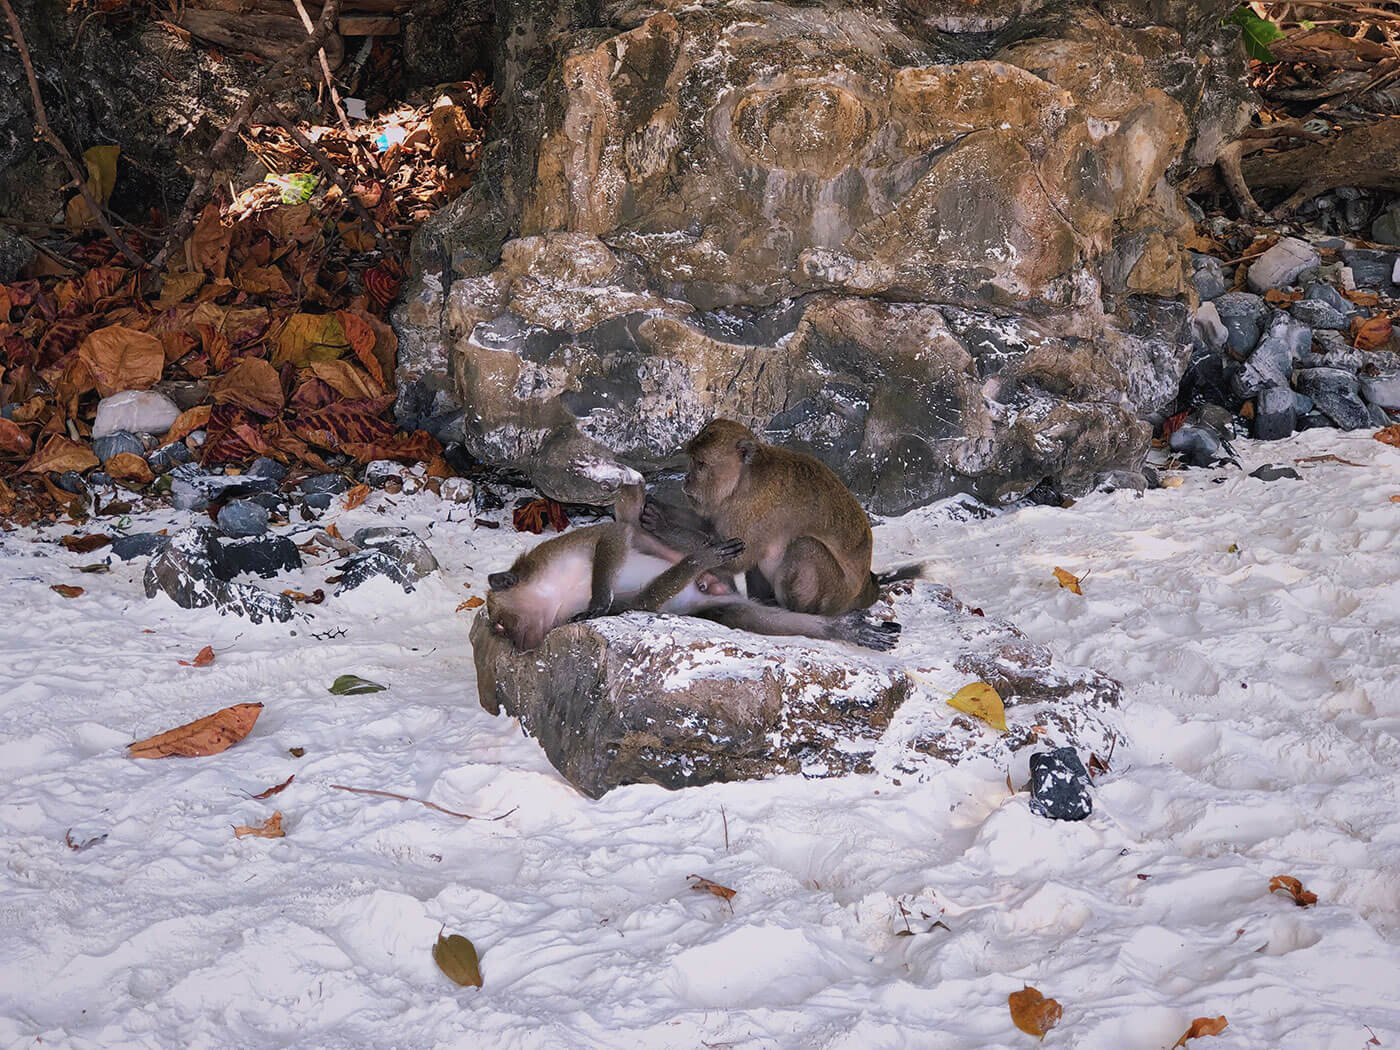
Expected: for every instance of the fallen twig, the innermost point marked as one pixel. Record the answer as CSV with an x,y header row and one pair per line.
x,y
421,802
41,125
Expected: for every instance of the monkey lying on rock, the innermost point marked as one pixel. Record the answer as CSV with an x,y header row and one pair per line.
x,y
615,567
807,542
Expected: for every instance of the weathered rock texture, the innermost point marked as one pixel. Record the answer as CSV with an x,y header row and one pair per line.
x,y
930,242
677,701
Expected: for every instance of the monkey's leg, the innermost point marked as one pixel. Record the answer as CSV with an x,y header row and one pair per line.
x,y
679,576
810,579
851,627
607,562
678,527
758,587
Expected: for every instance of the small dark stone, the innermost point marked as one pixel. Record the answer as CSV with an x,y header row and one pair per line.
x,y
138,545
1242,314
1208,276
1270,472
1370,268
264,556
243,517
15,254
72,481
263,467
318,500
104,448
1060,785
330,484
1329,295
170,456
1200,446
1317,314
1336,393
1274,413
193,488
390,551
1129,480
448,427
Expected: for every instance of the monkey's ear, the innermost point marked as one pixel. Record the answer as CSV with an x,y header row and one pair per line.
x,y
502,581
748,448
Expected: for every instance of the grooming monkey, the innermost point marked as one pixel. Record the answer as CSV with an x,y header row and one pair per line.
x,y
807,542
615,567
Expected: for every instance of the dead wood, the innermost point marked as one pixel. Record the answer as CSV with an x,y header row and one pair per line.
x,y
1363,156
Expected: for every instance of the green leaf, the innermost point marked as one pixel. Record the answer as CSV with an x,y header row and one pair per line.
x,y
293,188
1257,33
456,957
354,685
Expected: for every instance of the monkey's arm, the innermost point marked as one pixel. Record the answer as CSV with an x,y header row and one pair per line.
x,y
678,527
678,577
607,563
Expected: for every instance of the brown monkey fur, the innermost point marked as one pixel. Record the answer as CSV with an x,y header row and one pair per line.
x,y
807,542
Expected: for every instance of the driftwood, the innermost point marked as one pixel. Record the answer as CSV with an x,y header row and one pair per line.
x,y
1362,156
265,35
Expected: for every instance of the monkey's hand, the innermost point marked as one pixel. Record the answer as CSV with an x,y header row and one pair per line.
x,y
716,553
859,629
599,606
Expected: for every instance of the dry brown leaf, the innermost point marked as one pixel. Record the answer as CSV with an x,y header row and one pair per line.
x,y
128,466
1395,498
310,337
1032,1013
204,736
1362,298
474,602
276,789
1389,435
252,384
178,287
1274,297
13,440
187,422
122,358
536,514
316,597
346,380
1068,580
67,590
1371,333
260,280
85,544
1202,1026
704,885
59,454
207,247
1293,888
356,496
271,828
203,658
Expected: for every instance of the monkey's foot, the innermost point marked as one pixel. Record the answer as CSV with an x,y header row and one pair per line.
x,y
859,629
674,526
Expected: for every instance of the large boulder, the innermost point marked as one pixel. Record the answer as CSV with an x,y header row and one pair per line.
x,y
938,264
677,701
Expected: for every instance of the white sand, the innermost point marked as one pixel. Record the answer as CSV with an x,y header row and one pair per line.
x,y
1262,706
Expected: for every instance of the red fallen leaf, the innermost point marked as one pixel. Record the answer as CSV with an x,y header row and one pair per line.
x,y
533,516
382,284
704,885
1274,297
271,828
349,422
204,736
1032,1013
1389,435
1172,424
474,602
316,597
1293,888
1371,333
417,447
311,395
252,384
67,590
276,789
85,544
1202,1026
58,454
14,440
203,658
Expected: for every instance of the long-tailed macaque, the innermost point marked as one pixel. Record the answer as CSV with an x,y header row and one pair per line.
x,y
807,542
615,567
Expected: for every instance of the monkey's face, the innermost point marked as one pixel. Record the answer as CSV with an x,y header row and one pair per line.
x,y
512,623
714,473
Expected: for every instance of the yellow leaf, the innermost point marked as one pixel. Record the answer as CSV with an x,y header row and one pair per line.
x,y
1032,1013
456,957
1174,481
982,701
1068,580
101,164
271,828
310,337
